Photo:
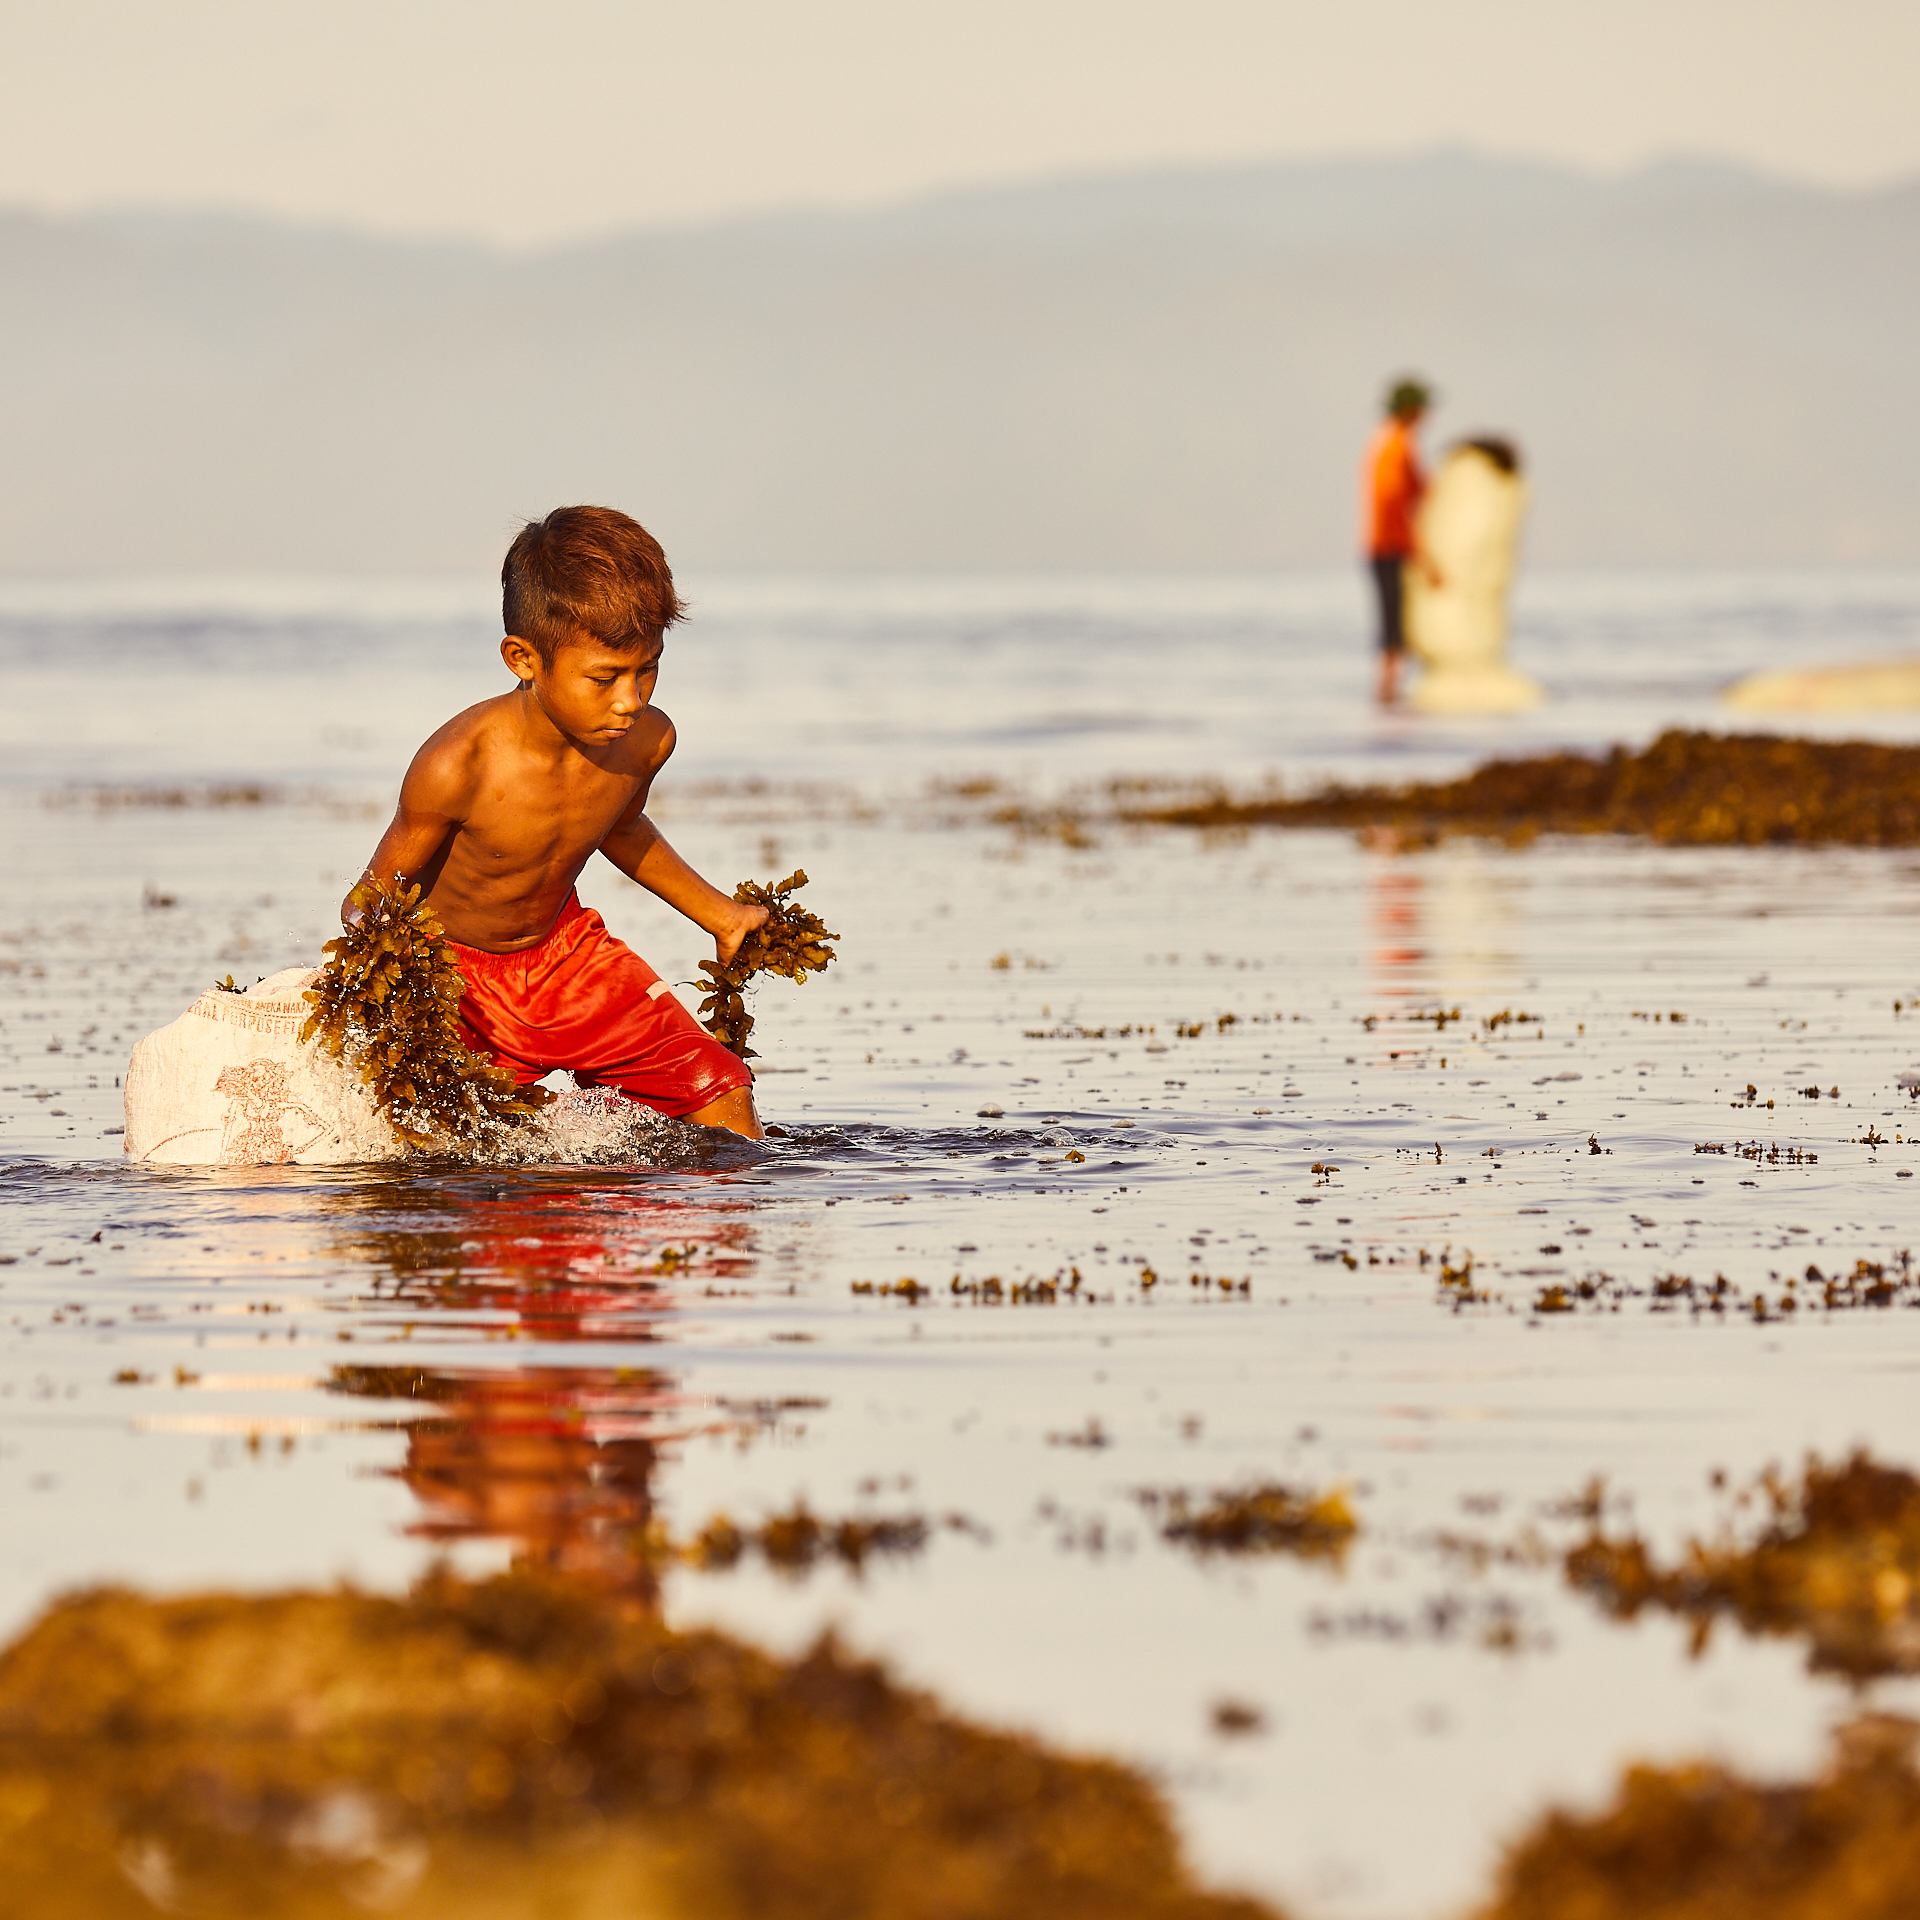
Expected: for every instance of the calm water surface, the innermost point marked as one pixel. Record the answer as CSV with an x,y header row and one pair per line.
x,y
251,1379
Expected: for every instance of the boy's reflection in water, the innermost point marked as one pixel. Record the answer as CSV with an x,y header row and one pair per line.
x,y
1397,936
557,1459
546,1457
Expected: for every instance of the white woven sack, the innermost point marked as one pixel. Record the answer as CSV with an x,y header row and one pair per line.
x,y
1470,529
228,1084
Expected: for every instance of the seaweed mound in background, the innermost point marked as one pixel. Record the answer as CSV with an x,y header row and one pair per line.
x,y
520,1748
1839,1563
1686,789
388,999
790,942
1263,1518
1698,1843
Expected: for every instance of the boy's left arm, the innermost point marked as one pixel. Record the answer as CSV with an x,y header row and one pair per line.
x,y
640,850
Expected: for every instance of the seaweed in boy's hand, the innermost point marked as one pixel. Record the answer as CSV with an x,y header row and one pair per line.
x,y
388,999
791,942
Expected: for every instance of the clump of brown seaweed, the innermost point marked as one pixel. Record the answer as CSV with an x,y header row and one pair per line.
x,y
790,942
1699,1843
796,1541
1687,789
521,1748
388,1000
1263,1518
1837,1563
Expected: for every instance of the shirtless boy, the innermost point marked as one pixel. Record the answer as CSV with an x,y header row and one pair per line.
x,y
505,805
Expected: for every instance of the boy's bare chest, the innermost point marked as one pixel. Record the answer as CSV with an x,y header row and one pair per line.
x,y
517,816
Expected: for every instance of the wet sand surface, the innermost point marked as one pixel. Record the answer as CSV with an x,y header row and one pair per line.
x,y
1211,1161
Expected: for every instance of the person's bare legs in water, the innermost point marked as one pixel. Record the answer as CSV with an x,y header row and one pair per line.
x,y
1389,574
1394,484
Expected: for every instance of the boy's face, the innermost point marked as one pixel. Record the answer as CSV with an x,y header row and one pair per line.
x,y
593,692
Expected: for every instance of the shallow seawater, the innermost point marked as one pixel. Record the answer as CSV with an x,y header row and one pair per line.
x,y
1040,1073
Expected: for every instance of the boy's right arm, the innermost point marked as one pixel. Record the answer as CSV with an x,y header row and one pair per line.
x,y
433,804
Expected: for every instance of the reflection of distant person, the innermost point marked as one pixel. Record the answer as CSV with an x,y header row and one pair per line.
x,y
1394,484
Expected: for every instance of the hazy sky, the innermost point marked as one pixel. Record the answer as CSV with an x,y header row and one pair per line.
x,y
535,122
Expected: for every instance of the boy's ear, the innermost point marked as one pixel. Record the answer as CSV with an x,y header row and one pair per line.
x,y
522,660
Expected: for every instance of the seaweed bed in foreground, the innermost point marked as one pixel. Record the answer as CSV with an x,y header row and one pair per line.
x,y
1699,1843
1686,789
522,1747
525,1747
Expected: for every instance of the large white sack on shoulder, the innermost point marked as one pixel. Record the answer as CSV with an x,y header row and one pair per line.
x,y
228,1084
1470,529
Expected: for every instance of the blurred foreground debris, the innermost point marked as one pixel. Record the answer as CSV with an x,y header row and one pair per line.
x,y
1838,1563
523,1747
1699,1843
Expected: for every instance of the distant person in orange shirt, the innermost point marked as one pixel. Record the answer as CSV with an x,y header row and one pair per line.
x,y
1394,483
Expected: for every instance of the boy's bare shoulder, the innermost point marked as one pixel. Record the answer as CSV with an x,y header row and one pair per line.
x,y
453,758
653,740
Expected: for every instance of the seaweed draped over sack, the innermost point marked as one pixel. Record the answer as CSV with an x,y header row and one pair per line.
x,y
388,1001
791,942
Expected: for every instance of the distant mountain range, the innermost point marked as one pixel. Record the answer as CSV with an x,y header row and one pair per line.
x,y
1169,370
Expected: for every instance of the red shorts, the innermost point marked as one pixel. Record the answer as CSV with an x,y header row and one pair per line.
x,y
587,1002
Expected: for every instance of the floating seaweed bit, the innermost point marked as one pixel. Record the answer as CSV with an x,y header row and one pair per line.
x,y
1601,1291
1838,1564
1456,1282
1871,1284
212,794
797,1541
1698,1842
1236,1719
1495,1622
1031,1292
1098,1033
1439,1018
388,1001
1263,1518
1064,822
1224,1288
1686,789
991,1292
1753,1150
1506,1017
519,1748
790,942
909,1289
1671,1289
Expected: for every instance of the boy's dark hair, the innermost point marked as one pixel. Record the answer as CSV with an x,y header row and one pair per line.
x,y
1407,396
590,568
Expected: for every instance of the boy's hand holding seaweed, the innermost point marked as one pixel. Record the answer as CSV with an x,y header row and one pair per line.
x,y
748,917
389,998
785,939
